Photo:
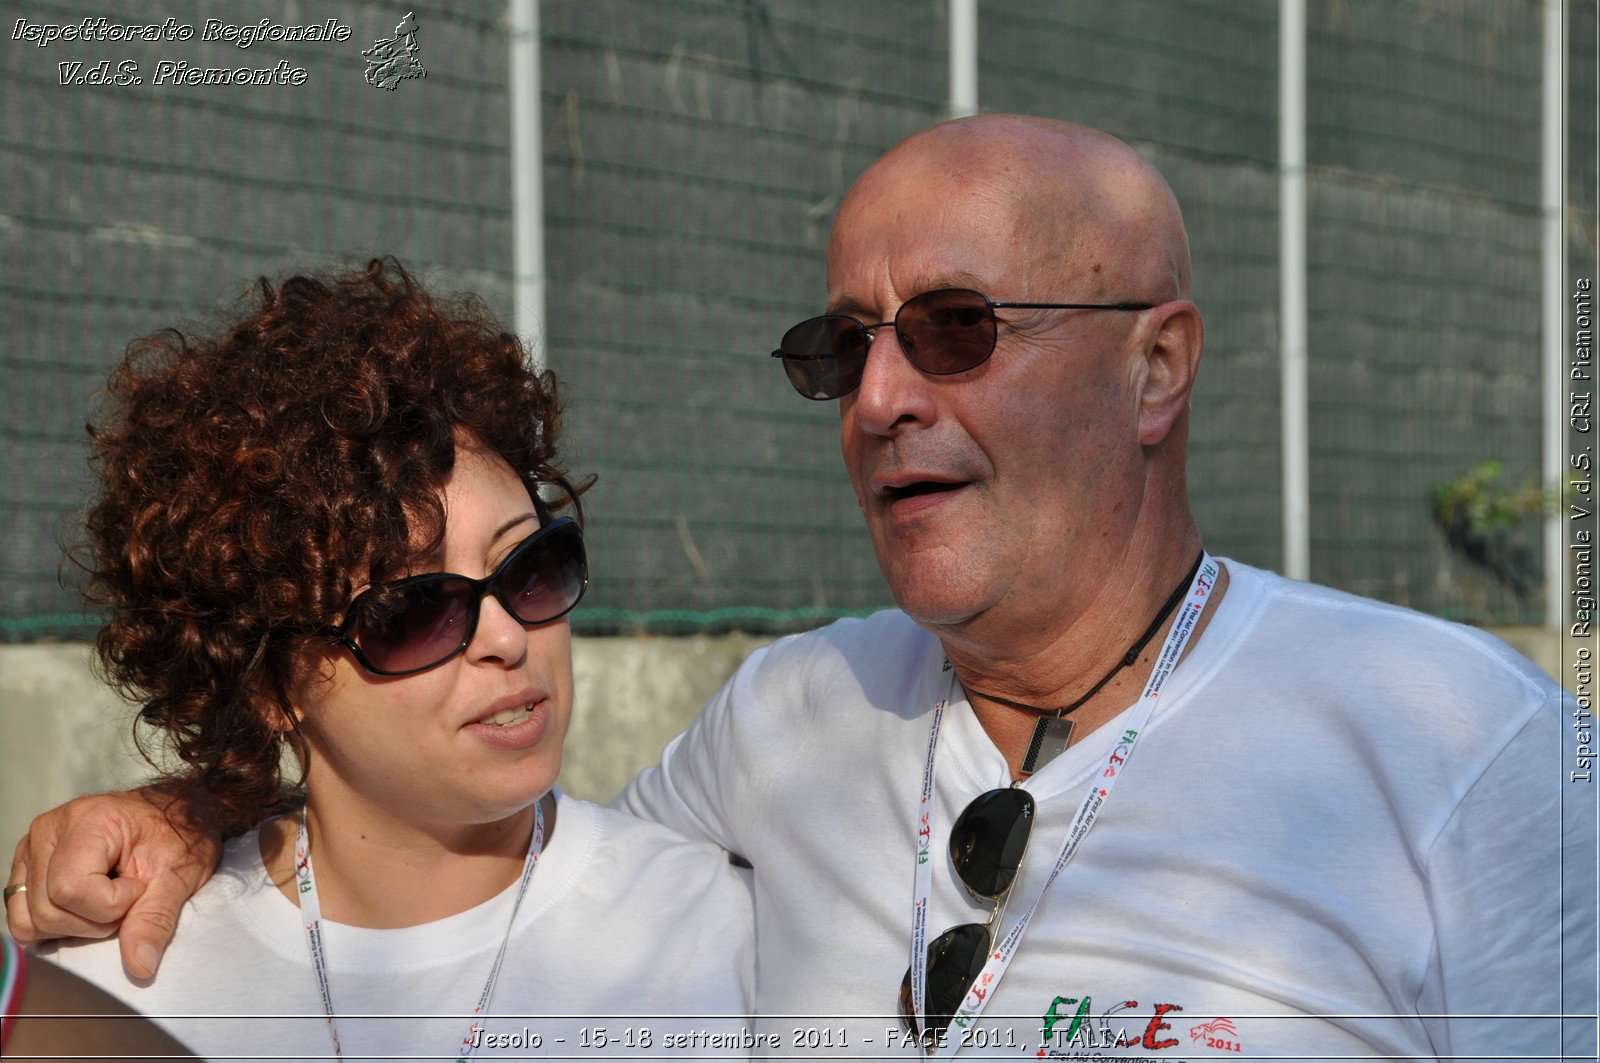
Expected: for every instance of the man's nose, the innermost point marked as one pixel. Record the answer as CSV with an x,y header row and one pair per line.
x,y
892,392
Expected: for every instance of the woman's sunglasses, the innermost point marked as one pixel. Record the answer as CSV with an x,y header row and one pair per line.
x,y
946,331
415,624
986,847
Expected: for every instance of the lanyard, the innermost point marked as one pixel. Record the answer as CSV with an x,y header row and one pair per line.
x,y
311,916
1094,800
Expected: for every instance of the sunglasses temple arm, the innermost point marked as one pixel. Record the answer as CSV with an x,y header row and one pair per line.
x,y
1073,306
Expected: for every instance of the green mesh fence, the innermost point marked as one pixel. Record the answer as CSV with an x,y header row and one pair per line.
x,y
1423,134
694,154
132,208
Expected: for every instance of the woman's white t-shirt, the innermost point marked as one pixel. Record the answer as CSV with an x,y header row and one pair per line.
x,y
631,939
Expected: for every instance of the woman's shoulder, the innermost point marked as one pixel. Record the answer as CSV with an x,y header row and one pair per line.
x,y
238,899
653,864
672,917
671,882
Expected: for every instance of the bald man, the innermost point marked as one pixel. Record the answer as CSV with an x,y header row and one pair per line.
x,y
1343,822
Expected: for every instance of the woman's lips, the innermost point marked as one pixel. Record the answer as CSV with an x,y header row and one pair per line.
x,y
520,735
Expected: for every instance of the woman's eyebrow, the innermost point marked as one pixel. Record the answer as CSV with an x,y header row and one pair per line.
x,y
512,523
496,556
435,560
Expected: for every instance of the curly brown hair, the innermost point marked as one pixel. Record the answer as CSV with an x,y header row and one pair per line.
x,y
254,478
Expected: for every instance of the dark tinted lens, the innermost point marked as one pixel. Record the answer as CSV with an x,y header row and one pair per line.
x,y
955,959
429,625
947,331
545,577
824,356
989,838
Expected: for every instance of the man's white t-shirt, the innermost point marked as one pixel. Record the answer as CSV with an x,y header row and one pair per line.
x,y
628,935
1343,821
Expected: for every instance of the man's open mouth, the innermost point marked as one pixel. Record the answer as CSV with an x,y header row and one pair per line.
x,y
920,487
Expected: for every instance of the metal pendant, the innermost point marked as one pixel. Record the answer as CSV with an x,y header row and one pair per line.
x,y
1051,736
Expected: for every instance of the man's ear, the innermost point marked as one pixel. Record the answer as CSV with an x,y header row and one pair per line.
x,y
1172,341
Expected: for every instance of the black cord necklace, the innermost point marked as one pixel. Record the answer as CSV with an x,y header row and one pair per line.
x,y
1053,733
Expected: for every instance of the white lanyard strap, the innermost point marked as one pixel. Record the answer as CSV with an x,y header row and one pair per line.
x,y
1094,800
923,884
311,916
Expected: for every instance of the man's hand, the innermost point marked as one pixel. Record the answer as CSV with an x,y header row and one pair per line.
x,y
99,861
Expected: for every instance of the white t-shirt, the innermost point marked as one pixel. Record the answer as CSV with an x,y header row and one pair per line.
x,y
626,928
1343,817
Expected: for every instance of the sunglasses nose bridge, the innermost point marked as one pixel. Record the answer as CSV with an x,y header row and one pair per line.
x,y
507,645
495,588
871,332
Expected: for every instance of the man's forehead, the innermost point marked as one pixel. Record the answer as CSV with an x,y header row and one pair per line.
x,y
890,254
1022,201
846,299
901,237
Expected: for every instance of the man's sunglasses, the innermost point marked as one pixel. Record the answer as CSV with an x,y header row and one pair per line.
x,y
415,624
986,847
946,331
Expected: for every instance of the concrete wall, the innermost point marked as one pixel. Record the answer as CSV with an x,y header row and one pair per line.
x,y
63,733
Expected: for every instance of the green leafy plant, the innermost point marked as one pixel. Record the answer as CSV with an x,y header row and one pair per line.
x,y
1486,523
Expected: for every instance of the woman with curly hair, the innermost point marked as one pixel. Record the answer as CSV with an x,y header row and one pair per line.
x,y
333,530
